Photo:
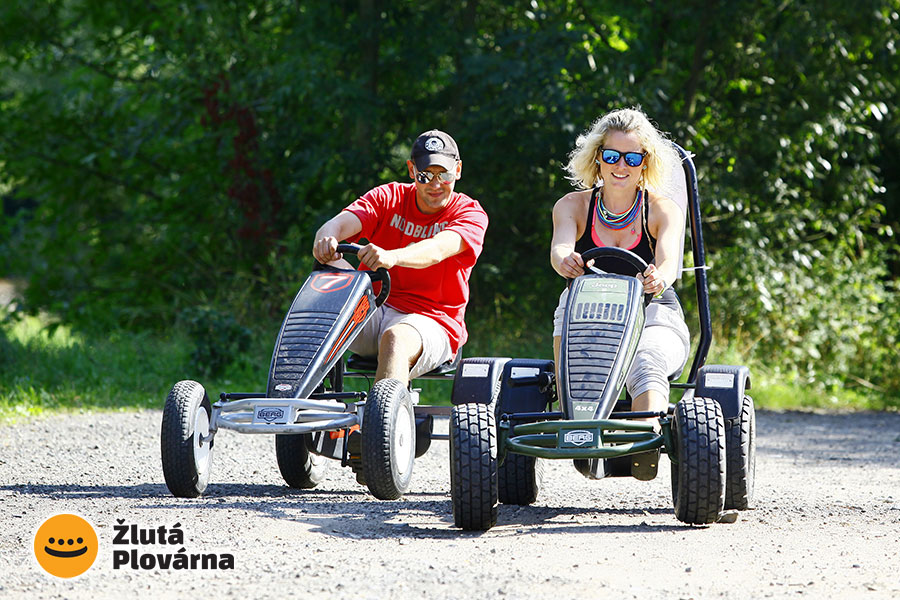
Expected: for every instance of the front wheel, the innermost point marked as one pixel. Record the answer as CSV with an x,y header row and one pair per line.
x,y
473,466
300,468
185,443
740,447
698,475
388,440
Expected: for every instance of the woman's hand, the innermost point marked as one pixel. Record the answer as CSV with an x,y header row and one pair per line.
x,y
654,283
573,266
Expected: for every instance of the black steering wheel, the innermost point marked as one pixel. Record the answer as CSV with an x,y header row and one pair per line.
x,y
378,275
626,256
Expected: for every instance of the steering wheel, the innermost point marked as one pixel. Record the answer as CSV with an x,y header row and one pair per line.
x,y
626,256
378,275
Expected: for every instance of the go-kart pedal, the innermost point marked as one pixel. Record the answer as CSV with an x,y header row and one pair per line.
x,y
354,455
645,465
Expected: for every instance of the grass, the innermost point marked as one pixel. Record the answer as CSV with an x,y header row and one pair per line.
x,y
53,369
46,370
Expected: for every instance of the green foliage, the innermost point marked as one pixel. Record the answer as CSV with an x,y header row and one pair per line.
x,y
155,158
70,371
218,339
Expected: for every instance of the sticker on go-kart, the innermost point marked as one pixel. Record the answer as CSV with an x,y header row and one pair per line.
x,y
327,282
283,387
578,437
359,315
719,380
584,410
272,415
475,370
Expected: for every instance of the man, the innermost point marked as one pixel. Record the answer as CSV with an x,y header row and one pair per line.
x,y
429,237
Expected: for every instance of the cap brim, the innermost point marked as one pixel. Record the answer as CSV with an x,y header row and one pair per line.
x,y
441,160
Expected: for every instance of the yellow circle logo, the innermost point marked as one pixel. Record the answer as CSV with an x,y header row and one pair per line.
x,y
65,545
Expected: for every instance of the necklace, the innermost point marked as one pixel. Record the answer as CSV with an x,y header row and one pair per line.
x,y
619,220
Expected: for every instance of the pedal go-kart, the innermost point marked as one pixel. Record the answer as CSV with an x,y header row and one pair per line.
x,y
505,425
378,434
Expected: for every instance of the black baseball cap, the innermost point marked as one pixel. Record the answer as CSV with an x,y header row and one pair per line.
x,y
435,147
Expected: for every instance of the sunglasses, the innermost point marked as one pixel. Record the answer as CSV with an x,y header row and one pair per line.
x,y
424,177
632,159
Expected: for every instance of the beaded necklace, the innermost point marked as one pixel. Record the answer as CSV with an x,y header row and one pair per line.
x,y
619,220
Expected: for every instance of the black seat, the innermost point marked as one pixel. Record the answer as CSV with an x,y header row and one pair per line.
x,y
355,362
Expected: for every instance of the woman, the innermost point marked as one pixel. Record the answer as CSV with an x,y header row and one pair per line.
x,y
613,165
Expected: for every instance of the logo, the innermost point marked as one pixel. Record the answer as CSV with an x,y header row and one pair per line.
x,y
600,284
283,387
434,144
154,548
65,545
330,282
270,414
579,437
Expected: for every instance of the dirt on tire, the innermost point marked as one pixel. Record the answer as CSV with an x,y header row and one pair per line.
x,y
824,523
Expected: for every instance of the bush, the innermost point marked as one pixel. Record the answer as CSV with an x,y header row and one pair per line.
x,y
217,337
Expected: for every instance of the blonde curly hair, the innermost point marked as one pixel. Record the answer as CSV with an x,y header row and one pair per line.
x,y
661,156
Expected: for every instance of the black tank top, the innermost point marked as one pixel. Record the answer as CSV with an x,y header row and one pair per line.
x,y
644,248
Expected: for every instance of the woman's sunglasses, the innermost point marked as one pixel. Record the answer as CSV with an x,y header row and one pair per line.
x,y
632,159
424,177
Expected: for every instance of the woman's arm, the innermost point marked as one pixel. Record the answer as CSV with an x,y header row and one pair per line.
x,y
666,223
566,224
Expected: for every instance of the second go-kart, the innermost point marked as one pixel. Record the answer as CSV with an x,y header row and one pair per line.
x,y
500,432
378,434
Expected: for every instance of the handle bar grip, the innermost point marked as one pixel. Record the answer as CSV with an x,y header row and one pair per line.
x,y
378,275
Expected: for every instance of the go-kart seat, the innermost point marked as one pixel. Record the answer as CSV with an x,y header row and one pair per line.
x,y
355,362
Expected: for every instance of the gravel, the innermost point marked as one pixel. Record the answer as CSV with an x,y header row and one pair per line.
x,y
825,524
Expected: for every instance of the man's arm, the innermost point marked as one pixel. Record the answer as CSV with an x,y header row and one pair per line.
x,y
420,255
341,227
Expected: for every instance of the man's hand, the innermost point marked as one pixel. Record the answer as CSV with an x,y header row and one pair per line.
x,y
376,257
325,250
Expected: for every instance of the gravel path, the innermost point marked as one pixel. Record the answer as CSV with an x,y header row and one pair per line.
x,y
826,522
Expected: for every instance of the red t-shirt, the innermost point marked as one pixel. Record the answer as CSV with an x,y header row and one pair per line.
x,y
391,219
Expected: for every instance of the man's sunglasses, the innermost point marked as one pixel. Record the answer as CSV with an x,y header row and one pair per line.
x,y
632,159
424,177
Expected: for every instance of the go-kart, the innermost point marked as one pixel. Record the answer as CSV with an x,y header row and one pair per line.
x,y
378,434
501,431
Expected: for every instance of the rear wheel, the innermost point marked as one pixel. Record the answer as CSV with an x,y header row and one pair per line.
x,y
698,476
300,468
473,466
388,440
185,445
519,479
740,448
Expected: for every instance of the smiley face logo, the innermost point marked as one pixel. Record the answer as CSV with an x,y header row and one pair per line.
x,y
65,545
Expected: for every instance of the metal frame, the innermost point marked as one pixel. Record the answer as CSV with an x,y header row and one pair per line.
x,y
320,412
236,412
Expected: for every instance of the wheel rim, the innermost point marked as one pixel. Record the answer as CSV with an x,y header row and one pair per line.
x,y
402,445
201,449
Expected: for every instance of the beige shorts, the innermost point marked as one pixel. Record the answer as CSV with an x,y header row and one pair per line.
x,y
435,341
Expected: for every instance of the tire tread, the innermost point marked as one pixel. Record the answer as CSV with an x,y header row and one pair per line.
x,y
473,466
698,478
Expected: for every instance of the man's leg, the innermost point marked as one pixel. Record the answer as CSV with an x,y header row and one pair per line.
x,y
398,350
